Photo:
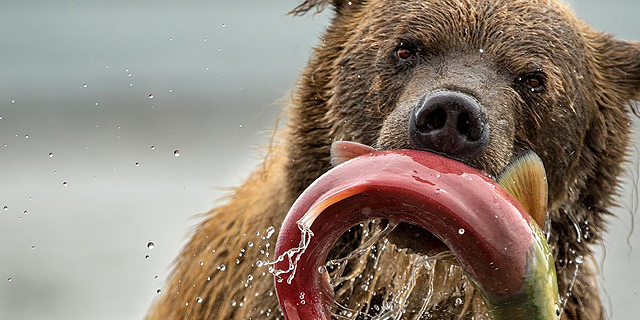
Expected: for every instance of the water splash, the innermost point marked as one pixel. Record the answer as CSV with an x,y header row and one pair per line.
x,y
395,307
358,252
634,176
564,299
292,255
386,282
575,222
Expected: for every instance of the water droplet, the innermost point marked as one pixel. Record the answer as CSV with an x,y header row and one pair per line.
x,y
201,263
205,39
156,277
176,153
170,90
437,191
481,50
224,25
150,245
579,259
222,267
170,38
250,244
270,232
240,125
437,174
84,85
461,231
5,208
146,257
151,96
130,84
259,264
33,247
158,291
9,279
13,101
26,136
25,211
64,184
233,303
153,147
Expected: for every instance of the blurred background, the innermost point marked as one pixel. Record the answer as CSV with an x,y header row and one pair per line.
x,y
122,120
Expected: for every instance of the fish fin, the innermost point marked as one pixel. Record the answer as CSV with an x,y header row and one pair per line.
x,y
343,151
526,180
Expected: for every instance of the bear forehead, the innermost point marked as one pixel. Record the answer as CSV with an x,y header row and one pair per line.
x,y
516,33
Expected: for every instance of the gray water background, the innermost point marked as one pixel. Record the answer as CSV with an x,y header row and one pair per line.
x,y
216,71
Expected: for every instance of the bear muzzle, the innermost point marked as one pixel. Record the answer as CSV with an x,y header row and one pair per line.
x,y
451,123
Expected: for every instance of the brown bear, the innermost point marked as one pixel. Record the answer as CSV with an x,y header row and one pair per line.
x,y
516,74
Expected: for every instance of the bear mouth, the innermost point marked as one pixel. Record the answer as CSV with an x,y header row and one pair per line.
x,y
390,237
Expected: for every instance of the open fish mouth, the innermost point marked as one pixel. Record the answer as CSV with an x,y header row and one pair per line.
x,y
479,230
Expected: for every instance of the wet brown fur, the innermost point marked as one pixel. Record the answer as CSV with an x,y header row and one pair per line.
x,y
350,90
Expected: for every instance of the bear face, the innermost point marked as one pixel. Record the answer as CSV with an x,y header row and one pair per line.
x,y
492,49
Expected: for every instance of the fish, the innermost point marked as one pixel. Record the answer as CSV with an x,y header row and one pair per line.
x,y
491,226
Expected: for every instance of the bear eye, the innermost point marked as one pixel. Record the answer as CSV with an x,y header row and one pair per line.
x,y
533,81
404,51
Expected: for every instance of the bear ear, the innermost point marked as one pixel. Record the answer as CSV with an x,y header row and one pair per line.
x,y
620,60
319,5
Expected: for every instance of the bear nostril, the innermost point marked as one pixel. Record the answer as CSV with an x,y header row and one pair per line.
x,y
434,120
467,128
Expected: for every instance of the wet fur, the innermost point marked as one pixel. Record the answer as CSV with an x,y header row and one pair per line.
x,y
580,128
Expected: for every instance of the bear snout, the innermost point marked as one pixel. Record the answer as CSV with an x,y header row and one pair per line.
x,y
449,122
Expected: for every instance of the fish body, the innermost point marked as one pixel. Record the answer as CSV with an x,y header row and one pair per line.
x,y
489,232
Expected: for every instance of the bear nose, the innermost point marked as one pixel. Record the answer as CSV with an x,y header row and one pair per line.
x,y
449,122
